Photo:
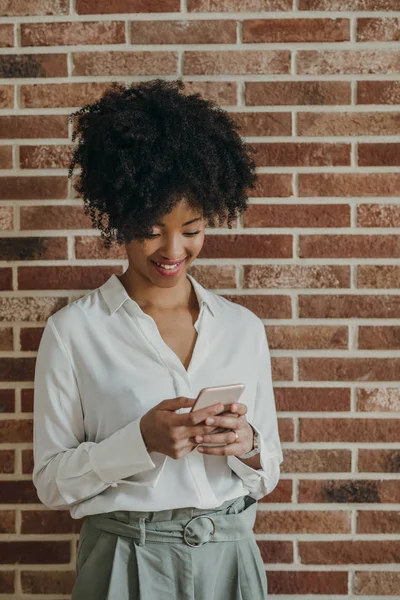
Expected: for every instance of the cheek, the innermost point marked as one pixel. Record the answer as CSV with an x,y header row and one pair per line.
x,y
197,243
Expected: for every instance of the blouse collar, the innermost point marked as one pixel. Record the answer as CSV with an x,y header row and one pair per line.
x,y
115,294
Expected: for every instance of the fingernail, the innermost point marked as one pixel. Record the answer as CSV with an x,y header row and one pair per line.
x,y
209,421
234,406
199,438
200,449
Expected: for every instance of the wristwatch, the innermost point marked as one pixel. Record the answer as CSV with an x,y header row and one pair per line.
x,y
256,447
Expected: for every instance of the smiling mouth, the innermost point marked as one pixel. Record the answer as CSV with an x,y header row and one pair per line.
x,y
168,268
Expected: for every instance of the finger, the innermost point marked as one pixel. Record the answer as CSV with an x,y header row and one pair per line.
x,y
238,408
227,422
195,417
228,437
228,450
175,403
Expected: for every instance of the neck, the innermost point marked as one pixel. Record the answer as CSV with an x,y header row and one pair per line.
x,y
152,297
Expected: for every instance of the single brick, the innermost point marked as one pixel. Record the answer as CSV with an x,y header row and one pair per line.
x,y
6,466
316,461
296,30
273,551
297,215
34,248
47,582
297,93
348,5
349,491
377,583
378,521
378,155
183,32
349,246
238,5
270,185
54,217
379,461
6,35
378,92
73,33
306,337
282,368
293,583
237,62
32,553
69,277
348,184
344,124
214,276
379,338
90,7
17,369
303,154
282,493
378,30
348,552
264,306
33,188
348,369
34,7
125,63
302,521
247,246
384,399
296,276
378,276
7,401
349,430
33,65
29,309
347,62
312,399
49,521
263,123
30,338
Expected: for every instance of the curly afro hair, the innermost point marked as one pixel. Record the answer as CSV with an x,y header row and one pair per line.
x,y
143,147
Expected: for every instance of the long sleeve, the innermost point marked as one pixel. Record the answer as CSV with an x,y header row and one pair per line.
x,y
67,469
261,482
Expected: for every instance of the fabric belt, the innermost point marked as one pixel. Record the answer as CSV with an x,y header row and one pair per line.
x,y
210,526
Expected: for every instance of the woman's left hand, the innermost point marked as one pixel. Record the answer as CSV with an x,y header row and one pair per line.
x,y
235,422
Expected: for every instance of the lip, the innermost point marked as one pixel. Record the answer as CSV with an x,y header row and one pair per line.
x,y
169,272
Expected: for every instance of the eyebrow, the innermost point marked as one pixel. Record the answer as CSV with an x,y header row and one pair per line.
x,y
187,222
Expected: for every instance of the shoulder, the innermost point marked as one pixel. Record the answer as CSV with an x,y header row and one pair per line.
x,y
233,312
78,313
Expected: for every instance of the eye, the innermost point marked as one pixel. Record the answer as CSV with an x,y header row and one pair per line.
x,y
192,233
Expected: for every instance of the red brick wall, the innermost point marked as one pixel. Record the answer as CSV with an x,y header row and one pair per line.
x,y
315,86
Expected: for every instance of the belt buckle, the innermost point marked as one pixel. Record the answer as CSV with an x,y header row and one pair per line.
x,y
193,519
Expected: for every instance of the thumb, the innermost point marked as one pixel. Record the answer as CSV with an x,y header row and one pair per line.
x,y
175,403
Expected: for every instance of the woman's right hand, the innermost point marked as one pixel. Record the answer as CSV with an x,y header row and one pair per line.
x,y
165,431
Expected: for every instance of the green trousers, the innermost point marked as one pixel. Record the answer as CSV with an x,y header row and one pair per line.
x,y
179,554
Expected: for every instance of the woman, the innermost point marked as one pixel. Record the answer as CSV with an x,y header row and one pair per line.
x,y
118,370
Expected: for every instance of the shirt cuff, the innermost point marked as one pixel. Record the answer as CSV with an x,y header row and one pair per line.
x,y
122,455
244,471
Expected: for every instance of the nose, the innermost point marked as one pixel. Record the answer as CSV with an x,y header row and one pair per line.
x,y
173,248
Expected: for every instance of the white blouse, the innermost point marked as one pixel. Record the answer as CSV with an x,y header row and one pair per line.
x,y
102,364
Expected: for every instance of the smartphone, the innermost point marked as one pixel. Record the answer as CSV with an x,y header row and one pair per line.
x,y
224,394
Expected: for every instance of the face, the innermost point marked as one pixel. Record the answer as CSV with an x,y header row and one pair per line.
x,y
177,239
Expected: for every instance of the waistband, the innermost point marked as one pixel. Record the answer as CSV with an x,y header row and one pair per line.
x,y
233,520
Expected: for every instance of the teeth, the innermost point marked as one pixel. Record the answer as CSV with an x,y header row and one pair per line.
x,y
167,267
